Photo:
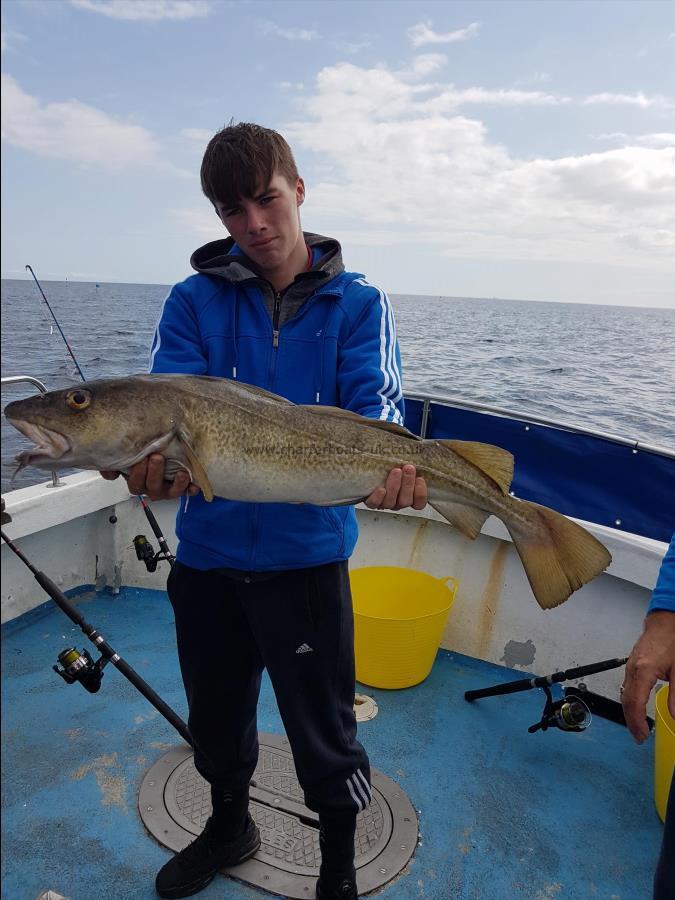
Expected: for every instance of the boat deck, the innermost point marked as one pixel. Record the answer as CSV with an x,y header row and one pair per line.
x,y
503,814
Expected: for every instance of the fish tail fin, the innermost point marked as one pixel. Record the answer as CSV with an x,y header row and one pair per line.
x,y
559,556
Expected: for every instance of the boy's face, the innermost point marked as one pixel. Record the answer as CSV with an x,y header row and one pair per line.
x,y
267,226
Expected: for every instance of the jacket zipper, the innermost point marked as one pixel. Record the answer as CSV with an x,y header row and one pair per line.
x,y
275,319
276,314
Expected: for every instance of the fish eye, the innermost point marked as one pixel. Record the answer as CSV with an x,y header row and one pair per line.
x,y
78,399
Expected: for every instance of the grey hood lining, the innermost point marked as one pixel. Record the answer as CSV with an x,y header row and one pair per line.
x,y
216,258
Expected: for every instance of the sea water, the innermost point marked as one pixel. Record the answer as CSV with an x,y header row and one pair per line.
x,y
605,368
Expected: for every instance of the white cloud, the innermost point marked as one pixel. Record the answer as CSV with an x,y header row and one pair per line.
x,y
637,99
74,131
426,63
290,34
658,139
422,33
406,164
451,97
146,10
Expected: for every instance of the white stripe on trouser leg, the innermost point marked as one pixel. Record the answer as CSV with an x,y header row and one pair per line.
x,y
354,797
359,789
365,784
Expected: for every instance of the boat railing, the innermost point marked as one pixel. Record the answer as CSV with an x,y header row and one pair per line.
x,y
29,379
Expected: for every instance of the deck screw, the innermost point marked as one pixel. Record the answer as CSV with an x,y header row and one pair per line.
x,y
149,808
151,784
383,871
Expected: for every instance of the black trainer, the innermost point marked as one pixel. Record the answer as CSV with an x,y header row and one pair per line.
x,y
342,889
196,866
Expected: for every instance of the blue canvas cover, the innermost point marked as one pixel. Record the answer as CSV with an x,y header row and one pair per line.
x,y
584,476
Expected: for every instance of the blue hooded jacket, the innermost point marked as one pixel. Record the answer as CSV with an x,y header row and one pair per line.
x,y
329,339
663,596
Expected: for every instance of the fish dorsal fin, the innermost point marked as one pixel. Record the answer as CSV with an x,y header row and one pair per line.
x,y
336,412
261,392
207,384
199,475
495,462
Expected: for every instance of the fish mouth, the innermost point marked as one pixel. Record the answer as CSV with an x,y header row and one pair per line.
x,y
50,446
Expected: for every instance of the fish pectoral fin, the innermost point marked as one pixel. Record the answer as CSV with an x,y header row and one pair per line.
x,y
173,466
495,462
337,413
199,475
466,519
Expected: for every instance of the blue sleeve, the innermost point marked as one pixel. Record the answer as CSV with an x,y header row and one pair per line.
x,y
663,596
177,345
369,363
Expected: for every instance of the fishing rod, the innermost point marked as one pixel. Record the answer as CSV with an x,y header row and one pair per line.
x,y
80,667
144,550
573,711
56,322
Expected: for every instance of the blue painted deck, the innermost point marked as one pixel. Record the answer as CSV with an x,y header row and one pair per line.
x,y
504,814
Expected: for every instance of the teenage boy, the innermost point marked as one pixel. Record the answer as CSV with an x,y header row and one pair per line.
x,y
266,585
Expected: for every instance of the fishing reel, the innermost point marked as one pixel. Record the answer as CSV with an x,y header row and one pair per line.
x,y
570,713
81,667
145,553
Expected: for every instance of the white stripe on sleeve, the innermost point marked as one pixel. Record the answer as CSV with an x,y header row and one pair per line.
x,y
391,378
157,338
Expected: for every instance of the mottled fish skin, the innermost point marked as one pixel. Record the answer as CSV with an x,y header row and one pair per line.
x,y
253,445
243,443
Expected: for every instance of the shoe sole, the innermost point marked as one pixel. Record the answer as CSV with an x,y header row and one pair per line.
x,y
196,886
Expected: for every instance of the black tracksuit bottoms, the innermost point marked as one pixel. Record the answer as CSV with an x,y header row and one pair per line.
x,y
298,625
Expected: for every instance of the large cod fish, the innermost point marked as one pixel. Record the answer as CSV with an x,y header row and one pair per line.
x,y
244,443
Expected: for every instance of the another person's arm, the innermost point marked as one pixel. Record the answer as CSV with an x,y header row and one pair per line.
x,y
653,656
369,380
176,347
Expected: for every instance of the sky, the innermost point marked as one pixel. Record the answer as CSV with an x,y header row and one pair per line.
x,y
481,149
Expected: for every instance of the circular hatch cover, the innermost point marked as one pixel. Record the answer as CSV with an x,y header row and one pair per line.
x,y
175,802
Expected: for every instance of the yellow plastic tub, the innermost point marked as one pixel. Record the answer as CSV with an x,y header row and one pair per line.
x,y
664,751
399,616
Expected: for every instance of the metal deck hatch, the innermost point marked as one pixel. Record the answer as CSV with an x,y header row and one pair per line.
x,y
175,802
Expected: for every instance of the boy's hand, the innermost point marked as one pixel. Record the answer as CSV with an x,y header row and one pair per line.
x,y
147,477
402,488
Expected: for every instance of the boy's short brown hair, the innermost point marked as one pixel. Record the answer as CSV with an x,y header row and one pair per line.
x,y
241,159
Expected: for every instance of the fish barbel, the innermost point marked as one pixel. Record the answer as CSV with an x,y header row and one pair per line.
x,y
244,443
